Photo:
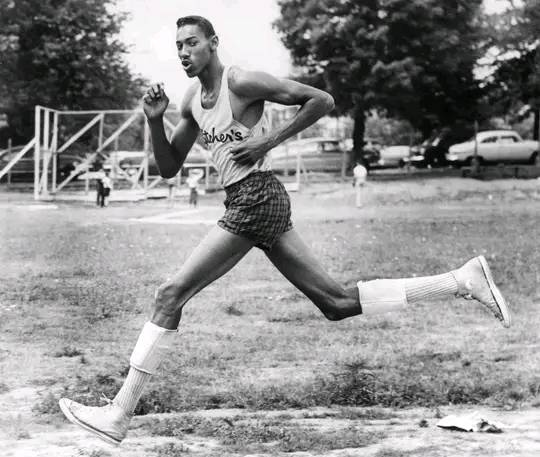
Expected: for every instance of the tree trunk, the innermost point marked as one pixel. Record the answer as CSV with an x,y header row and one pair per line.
x,y
358,134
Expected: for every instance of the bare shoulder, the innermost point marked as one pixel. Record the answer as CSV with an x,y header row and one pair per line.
x,y
185,106
259,85
249,84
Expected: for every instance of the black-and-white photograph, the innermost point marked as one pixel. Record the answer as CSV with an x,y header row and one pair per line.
x,y
234,228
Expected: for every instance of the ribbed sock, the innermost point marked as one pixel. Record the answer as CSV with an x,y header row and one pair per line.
x,y
152,346
430,287
132,389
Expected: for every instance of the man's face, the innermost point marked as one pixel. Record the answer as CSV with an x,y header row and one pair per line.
x,y
194,49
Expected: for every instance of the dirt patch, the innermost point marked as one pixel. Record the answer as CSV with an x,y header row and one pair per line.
x,y
376,432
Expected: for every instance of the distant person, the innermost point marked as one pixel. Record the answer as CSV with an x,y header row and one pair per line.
x,y
359,176
171,185
107,187
193,185
226,106
100,189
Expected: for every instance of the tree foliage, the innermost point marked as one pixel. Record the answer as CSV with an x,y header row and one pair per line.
x,y
412,58
64,54
516,49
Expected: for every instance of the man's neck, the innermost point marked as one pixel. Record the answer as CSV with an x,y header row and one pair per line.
x,y
210,77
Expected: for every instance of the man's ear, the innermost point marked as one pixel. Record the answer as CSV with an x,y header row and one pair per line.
x,y
214,42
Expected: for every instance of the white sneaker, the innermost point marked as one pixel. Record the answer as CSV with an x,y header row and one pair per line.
x,y
109,422
476,282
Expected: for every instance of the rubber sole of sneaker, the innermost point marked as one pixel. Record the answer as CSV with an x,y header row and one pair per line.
x,y
69,415
499,299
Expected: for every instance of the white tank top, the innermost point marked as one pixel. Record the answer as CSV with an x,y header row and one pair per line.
x,y
220,131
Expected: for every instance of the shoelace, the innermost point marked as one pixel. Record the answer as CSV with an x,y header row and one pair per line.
x,y
110,403
107,399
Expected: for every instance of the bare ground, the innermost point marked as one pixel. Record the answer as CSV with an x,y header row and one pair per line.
x,y
408,432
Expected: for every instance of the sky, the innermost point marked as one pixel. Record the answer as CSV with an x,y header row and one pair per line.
x,y
244,27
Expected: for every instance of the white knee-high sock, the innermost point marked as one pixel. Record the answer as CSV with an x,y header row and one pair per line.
x,y
153,344
430,287
130,393
384,295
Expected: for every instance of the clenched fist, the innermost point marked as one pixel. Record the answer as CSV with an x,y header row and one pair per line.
x,y
250,150
155,101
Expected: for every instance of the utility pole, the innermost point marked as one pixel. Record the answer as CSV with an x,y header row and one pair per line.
x,y
536,129
9,160
475,161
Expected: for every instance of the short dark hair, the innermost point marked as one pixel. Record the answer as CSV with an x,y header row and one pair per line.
x,y
205,25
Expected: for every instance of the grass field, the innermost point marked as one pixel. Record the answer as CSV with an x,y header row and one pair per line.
x,y
77,286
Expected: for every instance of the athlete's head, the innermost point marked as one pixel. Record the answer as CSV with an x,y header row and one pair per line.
x,y
196,42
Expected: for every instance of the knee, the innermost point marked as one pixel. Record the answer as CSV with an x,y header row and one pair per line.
x,y
332,310
334,314
341,306
169,298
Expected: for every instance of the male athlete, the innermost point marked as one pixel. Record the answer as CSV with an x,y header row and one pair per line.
x,y
226,107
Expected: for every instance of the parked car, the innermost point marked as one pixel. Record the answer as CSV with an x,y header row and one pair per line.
x,y
24,167
432,152
394,156
370,151
318,154
495,146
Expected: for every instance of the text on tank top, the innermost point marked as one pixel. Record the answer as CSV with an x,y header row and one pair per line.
x,y
220,131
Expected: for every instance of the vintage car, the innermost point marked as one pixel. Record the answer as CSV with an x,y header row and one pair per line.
x,y
494,146
317,154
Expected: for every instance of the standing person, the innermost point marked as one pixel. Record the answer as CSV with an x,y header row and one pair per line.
x,y
193,184
100,196
360,176
107,187
171,184
226,106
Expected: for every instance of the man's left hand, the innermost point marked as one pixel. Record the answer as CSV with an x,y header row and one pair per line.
x,y
251,150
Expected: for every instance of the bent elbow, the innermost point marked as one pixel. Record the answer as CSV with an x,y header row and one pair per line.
x,y
329,102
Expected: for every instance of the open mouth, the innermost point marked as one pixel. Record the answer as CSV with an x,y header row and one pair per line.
x,y
186,64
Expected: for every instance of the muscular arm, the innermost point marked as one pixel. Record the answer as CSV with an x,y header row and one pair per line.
x,y
256,85
170,156
253,87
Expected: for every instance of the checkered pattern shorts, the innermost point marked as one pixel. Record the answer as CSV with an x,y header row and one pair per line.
x,y
257,207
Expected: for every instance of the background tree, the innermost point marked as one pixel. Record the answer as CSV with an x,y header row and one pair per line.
x,y
412,58
427,52
61,54
515,55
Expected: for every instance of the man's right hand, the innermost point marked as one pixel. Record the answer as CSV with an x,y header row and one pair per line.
x,y
155,101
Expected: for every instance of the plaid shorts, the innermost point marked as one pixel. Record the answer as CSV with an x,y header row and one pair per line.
x,y
258,208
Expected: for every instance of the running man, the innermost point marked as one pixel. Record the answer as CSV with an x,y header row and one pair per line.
x,y
226,107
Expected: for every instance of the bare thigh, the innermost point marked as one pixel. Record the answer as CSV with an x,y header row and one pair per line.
x,y
215,255
294,259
